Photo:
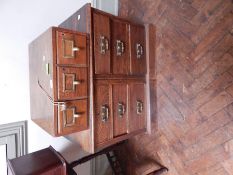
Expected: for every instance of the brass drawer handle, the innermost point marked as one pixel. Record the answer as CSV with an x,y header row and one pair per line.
x,y
139,107
139,50
104,113
104,44
120,49
121,110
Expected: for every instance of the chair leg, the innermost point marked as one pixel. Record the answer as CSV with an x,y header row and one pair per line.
x,y
114,163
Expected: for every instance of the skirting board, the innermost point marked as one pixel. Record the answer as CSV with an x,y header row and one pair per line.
x,y
15,135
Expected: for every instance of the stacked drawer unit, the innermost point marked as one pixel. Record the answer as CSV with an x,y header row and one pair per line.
x,y
119,78
59,81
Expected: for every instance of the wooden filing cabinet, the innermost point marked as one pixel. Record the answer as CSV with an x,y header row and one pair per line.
x,y
91,87
59,80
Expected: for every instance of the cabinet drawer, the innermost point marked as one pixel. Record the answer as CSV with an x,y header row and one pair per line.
x,y
102,117
72,117
71,48
137,104
138,50
120,47
101,43
72,83
120,109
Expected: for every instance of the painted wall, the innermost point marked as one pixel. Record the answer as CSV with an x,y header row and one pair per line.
x,y
21,22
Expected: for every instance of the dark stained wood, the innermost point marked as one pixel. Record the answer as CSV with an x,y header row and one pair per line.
x,y
46,161
81,21
137,117
119,100
39,49
101,28
120,32
68,122
66,78
192,131
66,42
137,36
48,83
81,66
103,129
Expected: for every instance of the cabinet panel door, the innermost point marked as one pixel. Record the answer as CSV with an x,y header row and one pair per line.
x,y
72,83
71,48
120,111
120,47
102,117
72,117
138,50
101,43
137,113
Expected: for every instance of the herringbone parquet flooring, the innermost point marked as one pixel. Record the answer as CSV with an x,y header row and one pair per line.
x,y
193,134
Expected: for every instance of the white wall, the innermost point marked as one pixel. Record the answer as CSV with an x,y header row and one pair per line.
x,y
21,21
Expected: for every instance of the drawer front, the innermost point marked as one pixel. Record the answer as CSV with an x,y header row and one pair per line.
x,y
72,117
71,48
120,111
102,117
137,113
120,47
72,83
101,43
138,50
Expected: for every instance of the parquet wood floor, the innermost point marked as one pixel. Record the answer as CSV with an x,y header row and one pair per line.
x,y
193,131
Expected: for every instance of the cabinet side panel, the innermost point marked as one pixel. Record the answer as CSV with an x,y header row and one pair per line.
x,y
41,82
79,21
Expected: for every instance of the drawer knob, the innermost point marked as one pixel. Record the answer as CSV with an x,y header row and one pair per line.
x,y
104,113
139,50
76,82
121,110
75,49
120,49
139,107
104,44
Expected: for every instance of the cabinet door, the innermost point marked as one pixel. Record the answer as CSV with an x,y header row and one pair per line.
x,y
138,50
120,47
101,43
72,83
137,113
71,48
102,116
72,117
119,97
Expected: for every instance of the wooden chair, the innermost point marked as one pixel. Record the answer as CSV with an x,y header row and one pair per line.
x,y
49,161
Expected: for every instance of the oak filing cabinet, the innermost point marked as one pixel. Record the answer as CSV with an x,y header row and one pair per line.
x,y
89,79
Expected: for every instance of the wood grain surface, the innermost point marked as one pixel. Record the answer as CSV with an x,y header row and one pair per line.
x,y
193,129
